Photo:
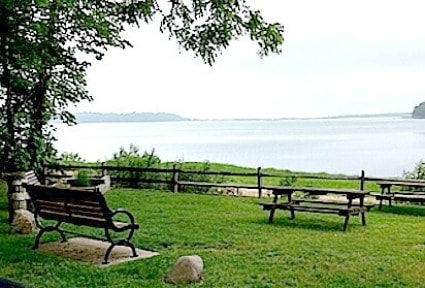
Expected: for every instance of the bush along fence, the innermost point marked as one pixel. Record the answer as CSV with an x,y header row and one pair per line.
x,y
177,179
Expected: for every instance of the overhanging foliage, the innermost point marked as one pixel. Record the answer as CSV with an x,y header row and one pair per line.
x,y
41,74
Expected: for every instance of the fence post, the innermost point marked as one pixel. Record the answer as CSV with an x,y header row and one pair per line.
x,y
259,181
362,180
175,179
104,172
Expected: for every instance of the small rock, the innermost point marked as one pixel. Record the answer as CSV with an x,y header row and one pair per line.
x,y
188,269
23,222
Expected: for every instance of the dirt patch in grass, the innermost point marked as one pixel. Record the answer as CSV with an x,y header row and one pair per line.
x,y
92,251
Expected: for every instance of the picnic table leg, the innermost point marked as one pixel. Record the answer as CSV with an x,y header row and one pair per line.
x,y
347,218
362,211
290,203
389,193
292,213
382,198
363,218
272,210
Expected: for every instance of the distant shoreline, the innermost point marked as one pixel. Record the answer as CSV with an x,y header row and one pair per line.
x,y
94,117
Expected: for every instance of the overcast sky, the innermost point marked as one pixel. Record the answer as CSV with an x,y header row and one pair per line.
x,y
339,57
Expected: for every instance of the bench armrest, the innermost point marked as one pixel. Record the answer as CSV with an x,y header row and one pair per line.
x,y
131,225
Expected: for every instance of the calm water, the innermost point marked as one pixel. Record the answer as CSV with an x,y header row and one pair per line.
x,y
381,146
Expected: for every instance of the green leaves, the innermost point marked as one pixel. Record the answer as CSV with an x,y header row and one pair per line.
x,y
42,3
208,27
40,74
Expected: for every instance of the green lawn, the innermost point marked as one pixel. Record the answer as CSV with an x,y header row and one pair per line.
x,y
238,246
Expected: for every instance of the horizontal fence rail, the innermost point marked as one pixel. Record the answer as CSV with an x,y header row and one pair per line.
x,y
175,178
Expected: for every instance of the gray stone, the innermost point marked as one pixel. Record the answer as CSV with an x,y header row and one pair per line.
x,y
23,222
188,269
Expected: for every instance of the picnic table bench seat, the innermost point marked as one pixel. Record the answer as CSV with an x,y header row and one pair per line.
x,y
414,194
367,206
81,207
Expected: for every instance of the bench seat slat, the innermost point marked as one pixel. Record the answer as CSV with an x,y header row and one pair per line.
x,y
53,208
329,202
269,206
53,204
84,207
312,208
87,213
53,215
91,210
87,221
397,196
326,210
413,198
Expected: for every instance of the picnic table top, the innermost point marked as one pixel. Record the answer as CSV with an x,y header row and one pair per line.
x,y
410,183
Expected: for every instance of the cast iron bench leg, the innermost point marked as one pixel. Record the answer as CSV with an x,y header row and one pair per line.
x,y
119,243
48,229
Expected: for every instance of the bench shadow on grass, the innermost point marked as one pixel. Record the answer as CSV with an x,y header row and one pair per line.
x,y
404,210
318,224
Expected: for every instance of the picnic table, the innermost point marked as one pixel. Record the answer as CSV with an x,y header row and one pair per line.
x,y
345,207
415,192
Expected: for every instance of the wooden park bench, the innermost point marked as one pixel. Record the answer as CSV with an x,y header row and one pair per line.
x,y
416,192
345,207
80,207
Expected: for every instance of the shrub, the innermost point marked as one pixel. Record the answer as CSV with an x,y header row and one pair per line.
x,y
84,177
288,180
132,158
197,174
70,159
418,173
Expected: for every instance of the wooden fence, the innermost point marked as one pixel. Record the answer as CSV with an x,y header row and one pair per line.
x,y
175,178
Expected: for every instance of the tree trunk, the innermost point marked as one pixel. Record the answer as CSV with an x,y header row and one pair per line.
x,y
7,154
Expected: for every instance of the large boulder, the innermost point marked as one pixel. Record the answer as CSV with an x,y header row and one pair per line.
x,y
23,222
188,269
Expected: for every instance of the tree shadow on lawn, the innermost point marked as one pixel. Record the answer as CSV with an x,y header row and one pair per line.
x,y
403,210
3,205
4,283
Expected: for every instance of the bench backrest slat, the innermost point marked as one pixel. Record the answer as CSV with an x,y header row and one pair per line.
x,y
31,178
80,207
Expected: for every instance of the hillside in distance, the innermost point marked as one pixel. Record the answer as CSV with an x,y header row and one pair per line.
x,y
94,117
419,111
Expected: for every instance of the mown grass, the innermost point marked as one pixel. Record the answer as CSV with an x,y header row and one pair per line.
x,y
238,246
